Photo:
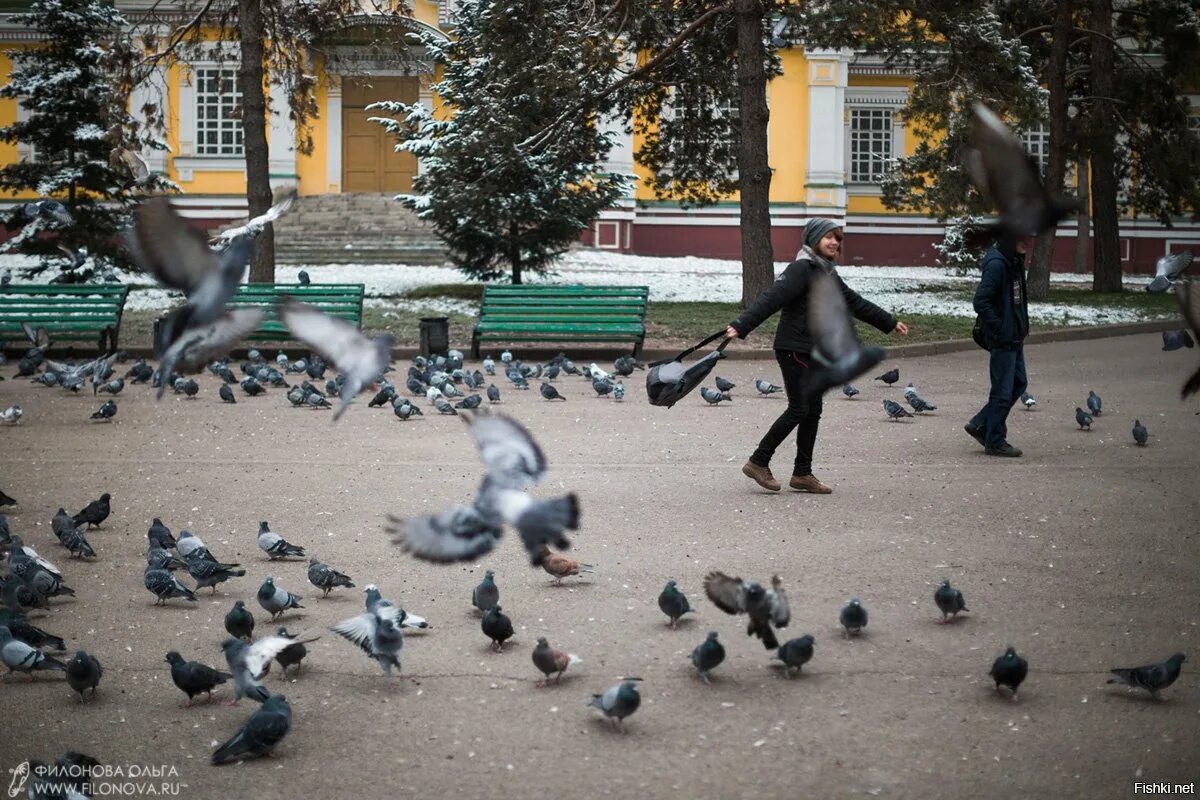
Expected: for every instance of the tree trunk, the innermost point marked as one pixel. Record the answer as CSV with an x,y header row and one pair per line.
x,y
754,171
1083,221
1056,163
251,75
514,255
1107,256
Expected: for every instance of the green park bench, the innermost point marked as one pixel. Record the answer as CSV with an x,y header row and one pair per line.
x,y
343,300
68,313
548,313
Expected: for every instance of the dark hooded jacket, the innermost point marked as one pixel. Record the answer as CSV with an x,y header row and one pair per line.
x,y
1000,300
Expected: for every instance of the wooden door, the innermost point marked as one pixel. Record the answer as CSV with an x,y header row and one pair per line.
x,y
370,162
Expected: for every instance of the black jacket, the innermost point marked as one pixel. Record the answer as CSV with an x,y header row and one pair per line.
x,y
1000,300
790,293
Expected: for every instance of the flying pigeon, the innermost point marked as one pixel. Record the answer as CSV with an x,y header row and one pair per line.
x,y
1083,418
618,702
1174,340
849,391
260,734
193,678
1168,269
84,672
707,656
795,653
275,600
949,601
853,617
894,410
765,607
1153,677
1028,401
377,634
1140,434
275,546
106,412
561,566
497,627
486,595
163,585
714,397
674,603
249,663
95,512
1094,404
20,657
840,357
766,387
552,662
889,377
253,227
1009,670
326,578
375,602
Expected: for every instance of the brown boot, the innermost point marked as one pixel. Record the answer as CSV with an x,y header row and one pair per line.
x,y
809,483
762,476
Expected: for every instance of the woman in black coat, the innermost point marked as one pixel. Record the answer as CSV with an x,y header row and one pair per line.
x,y
793,351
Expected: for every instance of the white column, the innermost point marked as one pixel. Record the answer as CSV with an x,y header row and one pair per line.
x,y
825,187
333,128
152,91
281,140
425,98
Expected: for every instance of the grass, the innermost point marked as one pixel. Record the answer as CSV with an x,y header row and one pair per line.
x,y
451,291
1151,305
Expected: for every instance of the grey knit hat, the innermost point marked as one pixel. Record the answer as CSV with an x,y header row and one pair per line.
x,y
816,229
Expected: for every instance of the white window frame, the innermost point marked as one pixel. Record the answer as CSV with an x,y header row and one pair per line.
x,y
883,136
224,103
886,98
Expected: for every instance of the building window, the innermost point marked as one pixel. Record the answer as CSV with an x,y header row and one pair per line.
x,y
872,143
218,112
1036,142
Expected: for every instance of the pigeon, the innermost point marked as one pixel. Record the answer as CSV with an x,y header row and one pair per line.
x,y
1094,404
95,512
325,577
560,566
1153,677
493,394
618,702
838,355
383,397
20,657
386,608
5,500
11,415
239,622
208,574
1174,340
471,402
1002,170
339,342
549,392
192,546
550,661
106,412
853,617
275,546
72,777
250,662
708,655
163,585
377,633
1083,418
489,365
77,544
497,627
714,397
193,678
1028,401
290,657
949,601
251,386
84,672
674,603
404,410
1188,295
894,410
226,394
765,607
1140,434
1009,670
849,391
918,405
506,357
602,387
302,276
113,387
275,600
618,391
889,377
444,407
766,387
724,385
260,734
23,630
188,386
795,653
514,462
486,595
160,535
159,558
250,229
1168,270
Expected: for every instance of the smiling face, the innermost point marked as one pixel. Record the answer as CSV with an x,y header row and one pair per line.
x,y
830,244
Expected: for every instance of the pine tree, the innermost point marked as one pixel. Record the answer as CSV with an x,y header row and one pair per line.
x,y
77,119
502,205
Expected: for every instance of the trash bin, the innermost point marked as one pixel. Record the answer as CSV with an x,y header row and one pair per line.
x,y
435,335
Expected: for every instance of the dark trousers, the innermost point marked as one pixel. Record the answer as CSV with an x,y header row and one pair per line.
x,y
803,414
1008,384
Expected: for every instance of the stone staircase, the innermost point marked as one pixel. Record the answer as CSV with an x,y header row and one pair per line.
x,y
355,228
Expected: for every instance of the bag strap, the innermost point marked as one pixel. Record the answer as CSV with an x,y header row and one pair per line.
x,y
709,340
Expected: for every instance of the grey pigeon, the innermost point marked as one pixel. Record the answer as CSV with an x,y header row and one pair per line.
x,y
919,405
274,545
489,365
714,397
226,394
766,387
404,409
618,702
602,387
1168,269
708,655
249,663
1153,677
443,406
292,656
260,734
106,412
838,356
949,601
20,657
84,672
188,386
469,402
493,394
193,678
795,653
724,385
552,662
849,391
251,386
853,617
894,410
674,603
1174,340
160,535
1083,419
1009,670
239,621
497,627
208,574
765,607
1028,401
486,595
1094,404
302,276
112,387
1140,434
158,558
23,630
618,391
326,578
549,392
275,600
375,602
377,634
11,415
165,586
77,544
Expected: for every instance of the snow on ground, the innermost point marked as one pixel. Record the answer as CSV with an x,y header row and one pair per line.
x,y
902,289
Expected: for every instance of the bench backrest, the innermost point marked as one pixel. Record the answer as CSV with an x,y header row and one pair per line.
x,y
68,311
343,300
564,303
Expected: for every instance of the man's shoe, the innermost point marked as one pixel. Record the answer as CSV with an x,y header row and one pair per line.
x,y
809,483
762,476
1006,450
975,434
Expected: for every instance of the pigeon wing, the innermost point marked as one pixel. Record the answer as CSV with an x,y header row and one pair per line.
x,y
200,344
829,319
512,457
255,226
728,594
1009,177
261,653
359,631
781,613
167,248
458,534
1173,265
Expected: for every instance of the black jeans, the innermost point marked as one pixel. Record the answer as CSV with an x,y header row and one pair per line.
x,y
803,414
1007,368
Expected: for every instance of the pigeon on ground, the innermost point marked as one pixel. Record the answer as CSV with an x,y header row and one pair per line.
x,y
714,397
275,546
618,702
707,656
158,558
113,387
383,397
260,734
1094,404
766,387
275,600
949,601
889,377
386,608
618,391
486,595
674,603
918,405
226,394
493,394
95,512
1009,670
724,385
163,585
1153,677
1140,434
11,415
1174,340
20,657
84,672
292,656
551,661
404,409
1188,295
326,578
838,356
1028,401
377,634
5,500
489,365
506,357
853,617
239,621
160,535
765,607
443,406
1083,418
187,386
549,392
192,546
24,630
106,412
1168,270
193,678
250,662
561,566
497,627
207,574
251,386
795,653
77,544
894,410
849,391
471,402
514,462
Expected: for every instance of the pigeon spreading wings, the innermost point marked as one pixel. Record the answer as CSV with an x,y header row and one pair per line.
x,y
1168,269
101,364
514,462
37,337
841,357
254,227
199,344
765,607
1188,293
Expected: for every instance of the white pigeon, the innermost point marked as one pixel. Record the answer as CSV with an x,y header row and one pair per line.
x,y
255,226
433,394
11,415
